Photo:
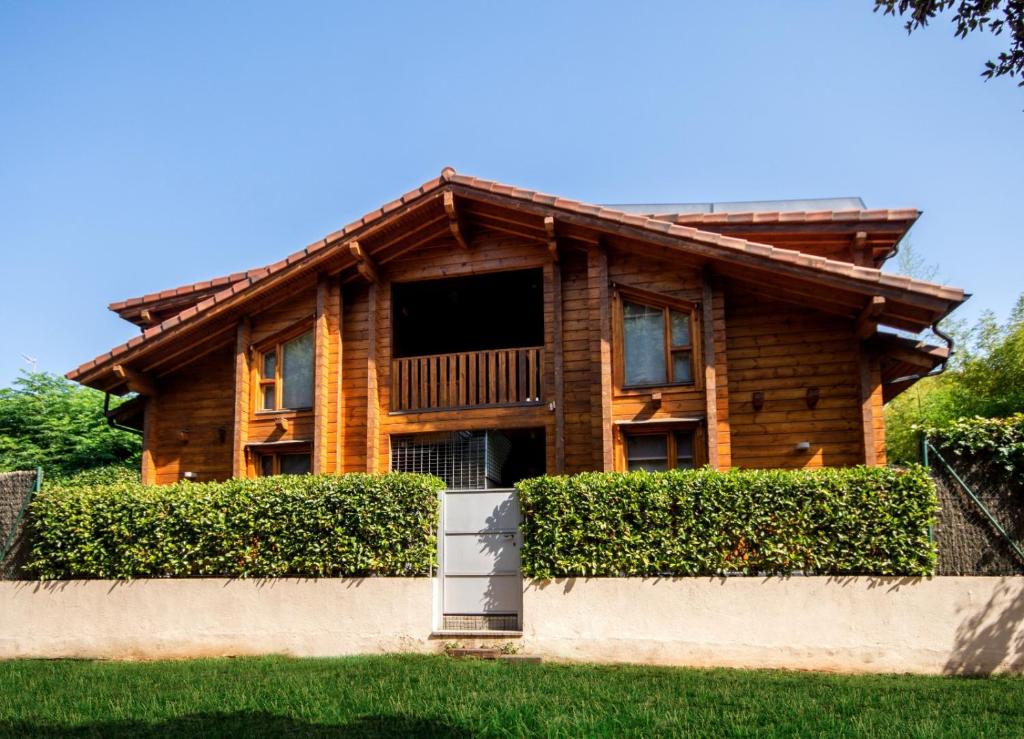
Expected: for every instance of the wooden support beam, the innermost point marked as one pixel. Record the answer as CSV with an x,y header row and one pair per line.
x,y
549,227
372,396
600,357
366,266
710,377
337,327
858,249
553,272
867,390
243,395
321,396
138,382
147,317
867,322
455,222
149,424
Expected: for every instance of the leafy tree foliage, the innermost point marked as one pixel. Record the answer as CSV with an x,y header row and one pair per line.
x,y
47,421
985,378
994,16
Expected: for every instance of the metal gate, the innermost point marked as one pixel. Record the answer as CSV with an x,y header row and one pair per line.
x,y
480,584
481,588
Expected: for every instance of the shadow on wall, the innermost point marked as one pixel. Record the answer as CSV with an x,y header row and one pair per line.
x,y
241,724
992,638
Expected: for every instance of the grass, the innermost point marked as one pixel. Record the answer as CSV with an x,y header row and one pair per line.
x,y
436,696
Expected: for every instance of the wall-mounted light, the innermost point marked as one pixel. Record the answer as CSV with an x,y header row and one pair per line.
x,y
656,400
222,434
189,475
757,399
813,395
803,446
281,424
183,436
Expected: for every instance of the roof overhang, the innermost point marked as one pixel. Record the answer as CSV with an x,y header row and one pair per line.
x,y
426,215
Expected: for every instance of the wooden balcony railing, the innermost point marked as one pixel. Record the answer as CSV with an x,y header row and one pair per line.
x,y
467,379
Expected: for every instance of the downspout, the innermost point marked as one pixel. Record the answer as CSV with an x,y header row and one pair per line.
x,y
110,419
935,371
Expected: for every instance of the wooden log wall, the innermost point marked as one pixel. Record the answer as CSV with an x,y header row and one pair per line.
x,y
781,350
749,345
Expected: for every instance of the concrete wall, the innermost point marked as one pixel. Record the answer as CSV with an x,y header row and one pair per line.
x,y
952,625
942,625
210,617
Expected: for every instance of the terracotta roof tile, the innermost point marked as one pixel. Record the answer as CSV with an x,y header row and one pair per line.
x,y
238,283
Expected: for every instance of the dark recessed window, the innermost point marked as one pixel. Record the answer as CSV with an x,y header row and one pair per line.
x,y
660,451
284,463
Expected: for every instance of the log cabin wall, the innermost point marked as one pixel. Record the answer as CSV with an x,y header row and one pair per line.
x,y
755,345
190,422
781,350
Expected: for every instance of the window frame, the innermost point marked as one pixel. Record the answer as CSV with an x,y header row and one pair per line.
x,y
697,440
275,344
275,456
624,294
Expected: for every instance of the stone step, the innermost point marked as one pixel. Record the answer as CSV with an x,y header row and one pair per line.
x,y
491,653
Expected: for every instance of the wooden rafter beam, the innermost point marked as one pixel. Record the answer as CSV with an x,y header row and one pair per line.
x,y
138,382
867,322
364,263
549,227
455,222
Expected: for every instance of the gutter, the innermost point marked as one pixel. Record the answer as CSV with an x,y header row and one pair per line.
x,y
112,421
935,371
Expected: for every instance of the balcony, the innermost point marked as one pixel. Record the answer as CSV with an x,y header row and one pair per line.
x,y
490,377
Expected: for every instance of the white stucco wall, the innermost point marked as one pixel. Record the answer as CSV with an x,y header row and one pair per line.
x,y
211,617
943,625
854,624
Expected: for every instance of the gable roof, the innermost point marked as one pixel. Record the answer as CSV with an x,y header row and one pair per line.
x,y
924,302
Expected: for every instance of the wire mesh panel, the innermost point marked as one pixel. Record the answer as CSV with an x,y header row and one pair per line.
x,y
465,460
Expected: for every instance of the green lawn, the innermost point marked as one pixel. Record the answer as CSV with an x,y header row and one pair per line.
x,y
423,696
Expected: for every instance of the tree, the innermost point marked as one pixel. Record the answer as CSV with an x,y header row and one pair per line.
x,y
47,421
985,378
994,16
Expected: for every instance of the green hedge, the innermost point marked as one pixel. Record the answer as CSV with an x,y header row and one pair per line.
x,y
318,526
998,441
861,520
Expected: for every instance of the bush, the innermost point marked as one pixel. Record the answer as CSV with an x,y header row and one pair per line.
x,y
318,526
998,441
109,475
861,520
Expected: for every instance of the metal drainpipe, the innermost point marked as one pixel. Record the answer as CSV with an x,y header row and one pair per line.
x,y
114,424
935,372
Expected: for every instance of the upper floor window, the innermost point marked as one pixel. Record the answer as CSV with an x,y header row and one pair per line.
x,y
657,341
286,374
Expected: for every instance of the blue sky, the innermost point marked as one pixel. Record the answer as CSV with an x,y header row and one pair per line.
x,y
143,146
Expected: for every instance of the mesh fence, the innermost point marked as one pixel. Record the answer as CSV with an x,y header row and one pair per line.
x,y
15,489
967,542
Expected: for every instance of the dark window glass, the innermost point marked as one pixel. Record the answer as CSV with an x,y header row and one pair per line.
x,y
684,450
295,464
266,465
647,452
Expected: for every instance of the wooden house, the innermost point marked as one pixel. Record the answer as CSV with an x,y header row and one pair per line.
x,y
565,336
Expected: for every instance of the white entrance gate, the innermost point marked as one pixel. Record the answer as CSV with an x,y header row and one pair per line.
x,y
481,583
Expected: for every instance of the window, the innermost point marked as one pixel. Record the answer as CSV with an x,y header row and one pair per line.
x,y
659,451
286,374
284,464
657,342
